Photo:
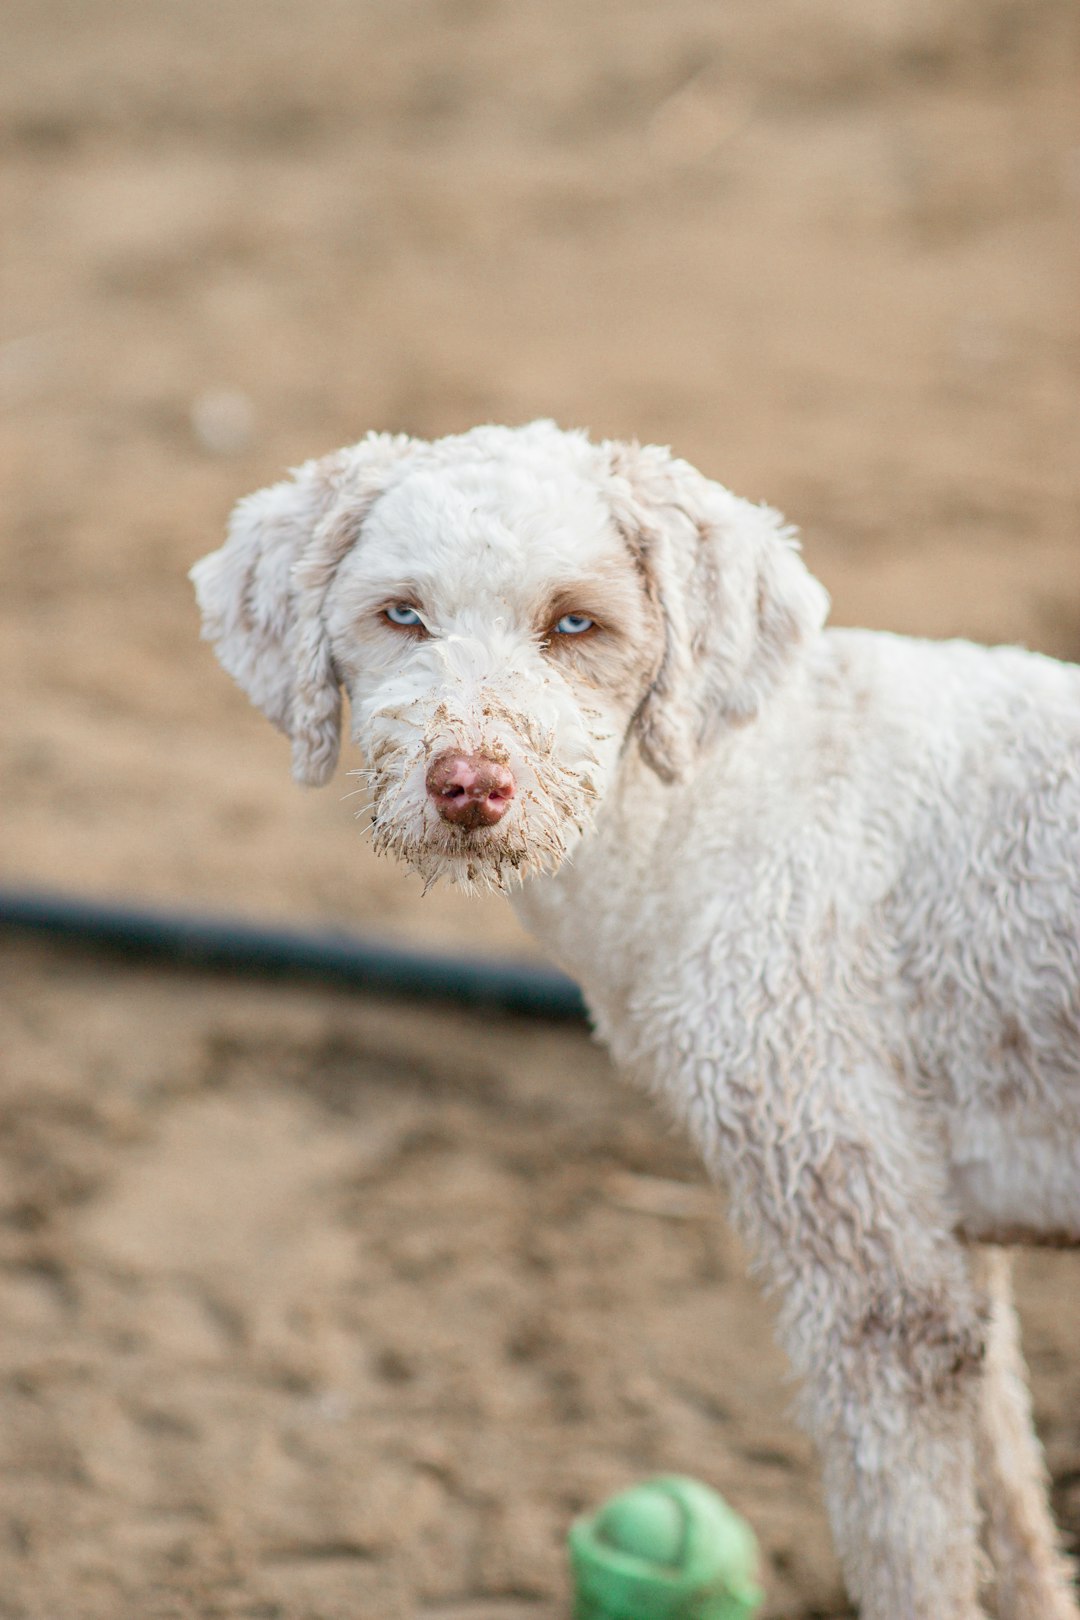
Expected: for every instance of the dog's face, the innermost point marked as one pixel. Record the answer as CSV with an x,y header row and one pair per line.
x,y
490,619
508,611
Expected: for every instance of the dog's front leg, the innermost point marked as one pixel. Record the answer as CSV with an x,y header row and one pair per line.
x,y
898,1458
892,1373
882,1320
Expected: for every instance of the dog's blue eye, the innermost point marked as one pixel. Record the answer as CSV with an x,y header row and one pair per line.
x,y
401,613
573,624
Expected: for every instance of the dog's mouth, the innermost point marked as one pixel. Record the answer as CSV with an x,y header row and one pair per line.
x,y
472,831
469,853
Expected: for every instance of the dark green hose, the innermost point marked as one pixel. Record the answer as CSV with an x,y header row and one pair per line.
x,y
322,955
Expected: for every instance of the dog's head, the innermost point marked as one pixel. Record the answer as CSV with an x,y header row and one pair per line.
x,y
509,611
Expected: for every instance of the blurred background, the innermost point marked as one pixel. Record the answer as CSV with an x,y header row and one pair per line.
x,y
312,1306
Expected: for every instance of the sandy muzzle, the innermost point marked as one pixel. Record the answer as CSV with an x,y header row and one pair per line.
x,y
551,747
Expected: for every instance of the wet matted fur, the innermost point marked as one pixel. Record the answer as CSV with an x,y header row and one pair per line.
x,y
821,889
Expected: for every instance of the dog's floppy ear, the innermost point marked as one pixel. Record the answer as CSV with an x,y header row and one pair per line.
x,y
733,595
262,593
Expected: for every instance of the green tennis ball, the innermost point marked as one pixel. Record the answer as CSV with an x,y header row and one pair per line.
x,y
670,1549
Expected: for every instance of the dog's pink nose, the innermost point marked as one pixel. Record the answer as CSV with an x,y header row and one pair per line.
x,y
470,790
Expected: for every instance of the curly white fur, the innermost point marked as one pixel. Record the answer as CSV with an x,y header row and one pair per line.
x,y
821,889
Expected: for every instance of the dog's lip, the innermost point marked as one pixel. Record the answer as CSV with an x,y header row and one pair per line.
x,y
481,832
436,832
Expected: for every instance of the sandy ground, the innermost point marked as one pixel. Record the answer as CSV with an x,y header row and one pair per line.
x,y
311,1307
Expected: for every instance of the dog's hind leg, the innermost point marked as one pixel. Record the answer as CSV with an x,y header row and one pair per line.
x,y
1030,1573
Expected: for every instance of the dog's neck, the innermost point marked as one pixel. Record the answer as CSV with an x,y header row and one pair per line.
x,y
596,907
604,914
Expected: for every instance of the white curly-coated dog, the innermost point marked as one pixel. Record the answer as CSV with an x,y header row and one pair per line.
x,y
821,889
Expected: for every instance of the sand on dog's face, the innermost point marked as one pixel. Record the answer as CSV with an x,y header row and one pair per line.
x,y
492,555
